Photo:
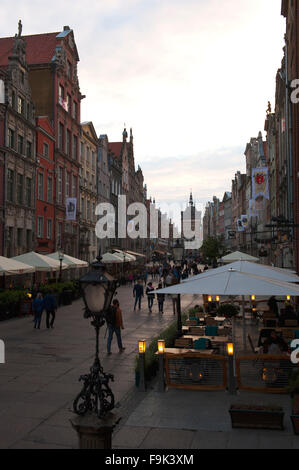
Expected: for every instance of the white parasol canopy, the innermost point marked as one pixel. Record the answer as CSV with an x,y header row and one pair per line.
x,y
111,258
40,262
125,257
69,260
238,256
250,268
9,267
233,282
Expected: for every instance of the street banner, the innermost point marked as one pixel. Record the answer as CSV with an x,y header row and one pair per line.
x,y
245,221
240,226
71,208
260,183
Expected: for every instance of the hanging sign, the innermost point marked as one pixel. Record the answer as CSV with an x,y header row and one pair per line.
x,y
260,183
71,208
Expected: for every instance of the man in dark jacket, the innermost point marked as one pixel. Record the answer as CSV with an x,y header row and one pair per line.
x,y
138,293
50,305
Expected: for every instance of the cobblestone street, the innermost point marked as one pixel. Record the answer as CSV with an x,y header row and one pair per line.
x,y
40,378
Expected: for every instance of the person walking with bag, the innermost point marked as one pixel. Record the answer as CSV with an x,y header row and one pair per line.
x,y
150,296
115,325
38,307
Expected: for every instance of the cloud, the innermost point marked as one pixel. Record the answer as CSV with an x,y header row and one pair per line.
x,y
191,77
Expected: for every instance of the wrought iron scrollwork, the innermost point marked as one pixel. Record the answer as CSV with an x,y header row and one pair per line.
x,y
96,395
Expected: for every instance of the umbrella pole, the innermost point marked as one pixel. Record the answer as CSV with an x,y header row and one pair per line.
x,y
244,323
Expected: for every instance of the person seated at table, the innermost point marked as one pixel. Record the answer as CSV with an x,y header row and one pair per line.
x,y
272,304
275,344
288,314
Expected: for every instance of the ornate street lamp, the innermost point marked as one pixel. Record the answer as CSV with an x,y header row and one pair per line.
x,y
98,288
60,257
178,251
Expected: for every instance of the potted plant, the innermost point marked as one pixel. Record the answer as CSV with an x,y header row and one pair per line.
x,y
293,389
256,416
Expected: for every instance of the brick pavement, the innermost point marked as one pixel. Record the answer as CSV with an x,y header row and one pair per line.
x,y
40,378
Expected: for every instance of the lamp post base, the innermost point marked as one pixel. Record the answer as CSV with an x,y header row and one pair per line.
x,y
95,433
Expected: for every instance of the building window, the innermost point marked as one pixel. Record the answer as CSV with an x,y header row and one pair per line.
x,y
40,185
61,136
82,208
40,227
68,103
69,69
28,112
28,192
21,105
68,142
28,240
74,186
22,75
74,114
49,229
87,156
88,210
11,138
46,150
13,100
60,170
82,152
59,235
75,145
50,189
20,237
67,185
20,189
10,185
20,144
28,149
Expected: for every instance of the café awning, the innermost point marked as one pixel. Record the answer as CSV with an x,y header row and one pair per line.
x,y
40,262
10,267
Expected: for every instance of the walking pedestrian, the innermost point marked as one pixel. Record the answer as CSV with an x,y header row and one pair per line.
x,y
150,296
38,307
50,305
115,325
138,293
161,299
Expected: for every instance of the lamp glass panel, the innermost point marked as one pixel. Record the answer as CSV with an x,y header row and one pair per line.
x,y
94,297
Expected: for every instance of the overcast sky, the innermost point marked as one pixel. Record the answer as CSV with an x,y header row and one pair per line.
x,y
191,77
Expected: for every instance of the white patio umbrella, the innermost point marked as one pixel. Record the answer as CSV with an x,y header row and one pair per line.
x,y
111,258
40,262
125,257
69,260
238,256
9,267
251,268
233,282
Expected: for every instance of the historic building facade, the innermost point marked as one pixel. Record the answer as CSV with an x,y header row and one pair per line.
x,y
17,149
88,192
45,187
53,59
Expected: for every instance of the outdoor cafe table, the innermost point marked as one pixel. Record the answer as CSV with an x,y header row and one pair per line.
x,y
179,351
220,340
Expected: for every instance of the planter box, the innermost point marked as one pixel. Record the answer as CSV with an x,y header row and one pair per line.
x,y
257,418
295,422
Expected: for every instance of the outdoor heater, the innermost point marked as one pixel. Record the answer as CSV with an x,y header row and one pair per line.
x,y
98,288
